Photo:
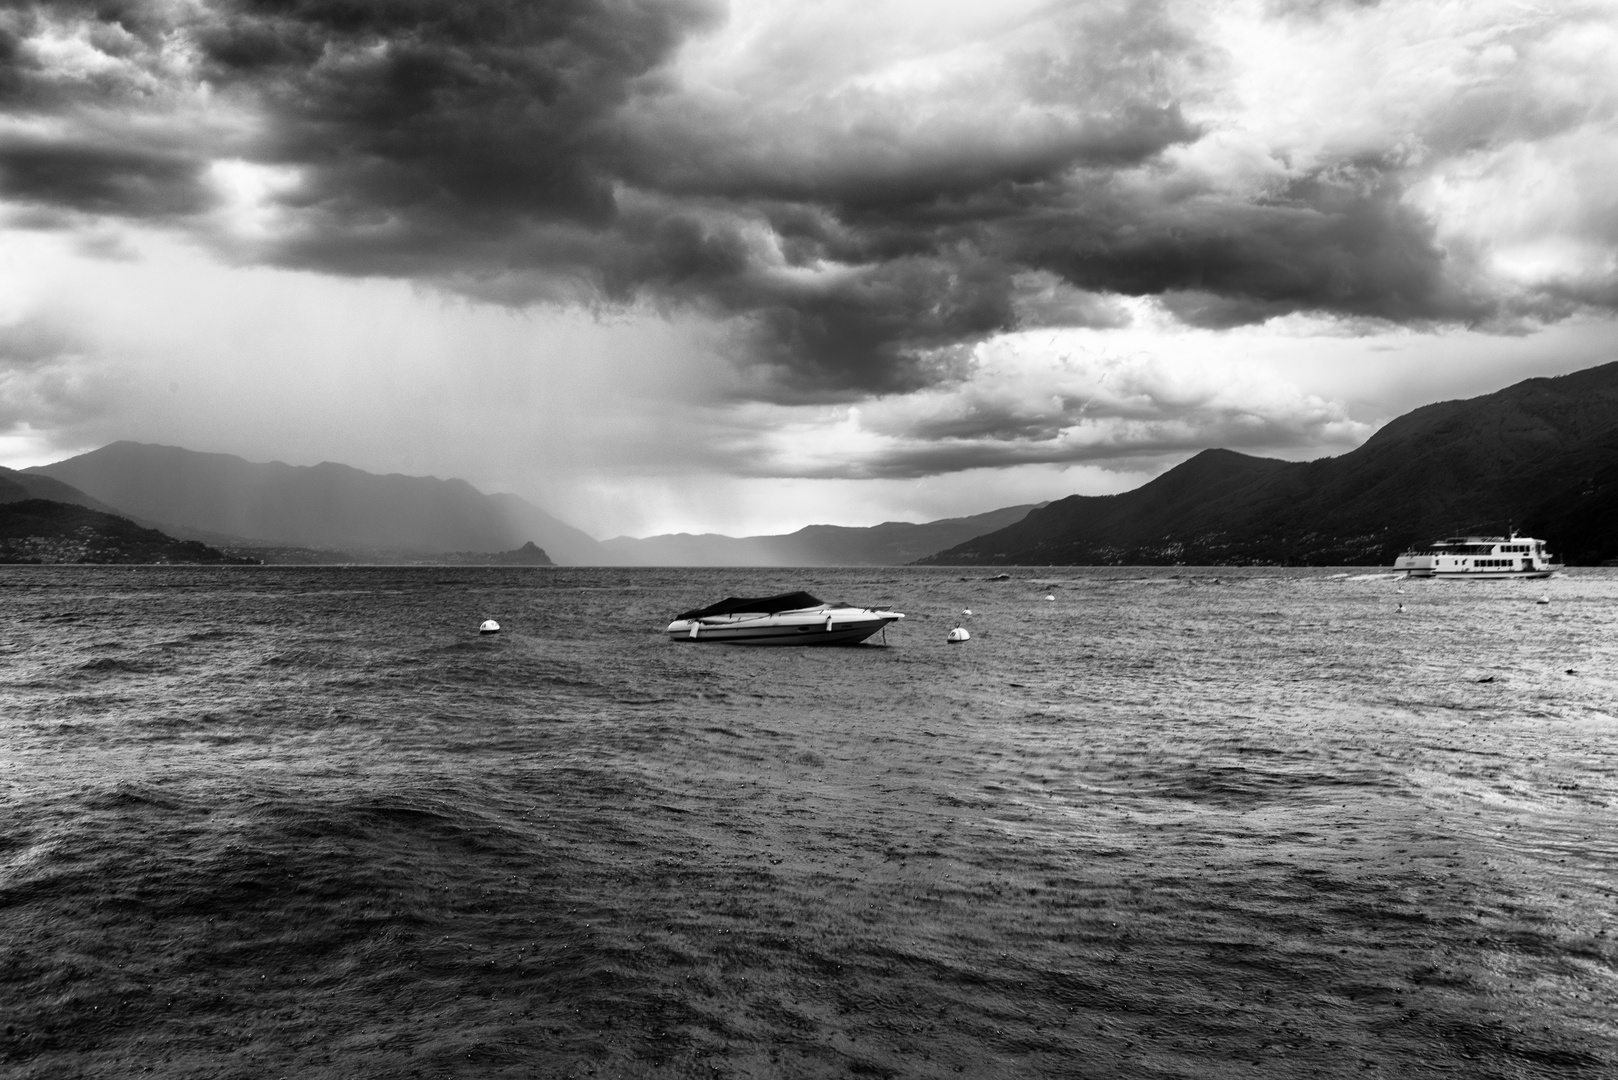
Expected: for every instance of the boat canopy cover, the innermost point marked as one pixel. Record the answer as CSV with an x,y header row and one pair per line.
x,y
764,605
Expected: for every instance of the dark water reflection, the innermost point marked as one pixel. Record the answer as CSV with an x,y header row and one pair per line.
x,y
306,822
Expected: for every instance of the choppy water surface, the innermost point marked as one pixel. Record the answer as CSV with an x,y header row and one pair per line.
x,y
305,822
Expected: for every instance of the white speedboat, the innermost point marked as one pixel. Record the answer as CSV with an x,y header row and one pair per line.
x,y
1479,557
789,619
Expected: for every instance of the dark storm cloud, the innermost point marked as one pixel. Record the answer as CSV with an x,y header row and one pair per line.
x,y
885,325
1341,242
420,120
460,111
127,181
543,151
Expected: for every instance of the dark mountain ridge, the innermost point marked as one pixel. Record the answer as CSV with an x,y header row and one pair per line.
x,y
331,513
219,496
1533,456
21,486
42,531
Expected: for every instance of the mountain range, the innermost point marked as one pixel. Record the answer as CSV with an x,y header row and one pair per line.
x,y
228,501
336,513
16,487
1541,456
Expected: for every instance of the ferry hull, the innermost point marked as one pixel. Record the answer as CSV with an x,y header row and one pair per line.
x,y
1476,575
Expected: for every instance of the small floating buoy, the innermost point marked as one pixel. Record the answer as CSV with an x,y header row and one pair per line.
x,y
1543,600
489,627
958,635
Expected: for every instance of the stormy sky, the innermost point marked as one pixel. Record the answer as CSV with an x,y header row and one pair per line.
x,y
685,264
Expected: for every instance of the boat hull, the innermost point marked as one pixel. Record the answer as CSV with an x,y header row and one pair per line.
x,y
848,627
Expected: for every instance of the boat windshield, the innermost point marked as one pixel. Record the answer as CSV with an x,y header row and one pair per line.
x,y
764,605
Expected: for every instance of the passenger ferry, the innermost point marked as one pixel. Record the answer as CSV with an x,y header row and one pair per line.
x,y
1479,557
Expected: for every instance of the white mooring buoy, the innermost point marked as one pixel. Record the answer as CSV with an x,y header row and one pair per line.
x,y
958,635
489,627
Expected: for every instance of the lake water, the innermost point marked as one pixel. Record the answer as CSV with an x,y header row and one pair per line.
x,y
305,822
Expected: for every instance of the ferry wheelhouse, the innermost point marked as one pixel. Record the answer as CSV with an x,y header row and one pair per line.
x,y
1479,557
